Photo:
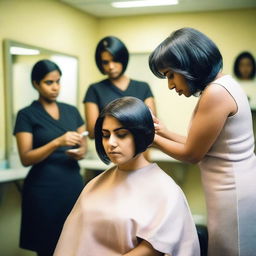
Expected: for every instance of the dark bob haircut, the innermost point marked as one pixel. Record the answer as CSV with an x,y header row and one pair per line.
x,y
135,116
190,53
241,56
41,69
116,48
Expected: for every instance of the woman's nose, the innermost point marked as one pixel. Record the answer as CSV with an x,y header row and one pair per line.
x,y
112,141
111,64
170,84
55,86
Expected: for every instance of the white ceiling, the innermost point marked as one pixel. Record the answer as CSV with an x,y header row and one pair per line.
x,y
103,8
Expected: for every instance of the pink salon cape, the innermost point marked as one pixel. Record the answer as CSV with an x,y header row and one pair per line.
x,y
118,208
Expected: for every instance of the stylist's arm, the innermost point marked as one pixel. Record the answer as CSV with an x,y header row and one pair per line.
x,y
30,156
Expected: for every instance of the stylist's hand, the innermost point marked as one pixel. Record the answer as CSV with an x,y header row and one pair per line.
x,y
70,139
77,153
160,129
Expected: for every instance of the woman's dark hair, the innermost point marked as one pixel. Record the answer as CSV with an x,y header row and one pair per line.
x,y
116,48
135,116
238,60
41,69
190,53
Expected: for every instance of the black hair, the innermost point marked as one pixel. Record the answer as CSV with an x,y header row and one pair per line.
x,y
190,53
241,56
135,116
41,69
116,48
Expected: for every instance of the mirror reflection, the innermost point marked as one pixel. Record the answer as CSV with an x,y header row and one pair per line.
x,y
19,59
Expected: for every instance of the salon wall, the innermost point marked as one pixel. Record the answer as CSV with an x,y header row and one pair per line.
x,y
52,25
232,31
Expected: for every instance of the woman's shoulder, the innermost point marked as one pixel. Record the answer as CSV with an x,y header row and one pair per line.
x,y
216,88
100,83
29,108
67,106
99,179
162,180
217,99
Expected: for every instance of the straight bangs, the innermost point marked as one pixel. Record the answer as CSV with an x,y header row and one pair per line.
x,y
98,140
157,61
168,56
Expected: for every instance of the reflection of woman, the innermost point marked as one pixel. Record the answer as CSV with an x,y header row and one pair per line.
x,y
244,66
245,70
220,138
112,58
44,131
133,208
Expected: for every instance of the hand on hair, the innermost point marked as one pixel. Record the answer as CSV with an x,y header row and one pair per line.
x,y
159,127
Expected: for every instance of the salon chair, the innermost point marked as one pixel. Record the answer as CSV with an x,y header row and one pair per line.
x,y
203,238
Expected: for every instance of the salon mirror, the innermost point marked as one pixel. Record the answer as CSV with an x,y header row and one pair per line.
x,y
19,59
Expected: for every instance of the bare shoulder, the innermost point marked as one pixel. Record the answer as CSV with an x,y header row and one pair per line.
x,y
216,97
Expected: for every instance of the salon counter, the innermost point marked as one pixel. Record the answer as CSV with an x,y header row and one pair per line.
x,y
19,173
9,174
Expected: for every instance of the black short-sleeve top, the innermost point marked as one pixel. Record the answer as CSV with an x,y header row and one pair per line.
x,y
35,119
104,92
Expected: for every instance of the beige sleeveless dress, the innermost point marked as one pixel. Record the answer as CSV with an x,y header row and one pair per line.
x,y
229,181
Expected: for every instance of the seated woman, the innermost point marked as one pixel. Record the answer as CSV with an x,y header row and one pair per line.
x,y
134,208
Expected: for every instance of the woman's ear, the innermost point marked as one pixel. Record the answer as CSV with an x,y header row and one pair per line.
x,y
35,84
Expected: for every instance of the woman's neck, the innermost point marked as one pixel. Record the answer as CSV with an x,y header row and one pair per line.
x,y
135,163
220,74
121,82
46,102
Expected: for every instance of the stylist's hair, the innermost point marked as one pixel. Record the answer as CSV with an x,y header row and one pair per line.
x,y
238,59
116,48
190,53
135,116
41,69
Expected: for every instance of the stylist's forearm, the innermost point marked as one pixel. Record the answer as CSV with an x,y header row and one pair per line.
x,y
171,148
174,136
39,154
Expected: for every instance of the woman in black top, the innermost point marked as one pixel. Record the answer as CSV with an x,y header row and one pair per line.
x,y
45,132
112,59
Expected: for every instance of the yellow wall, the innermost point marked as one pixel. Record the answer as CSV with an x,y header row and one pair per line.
x,y
56,26
232,31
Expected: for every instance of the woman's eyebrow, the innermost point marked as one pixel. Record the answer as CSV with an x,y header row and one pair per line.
x,y
115,130
120,128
